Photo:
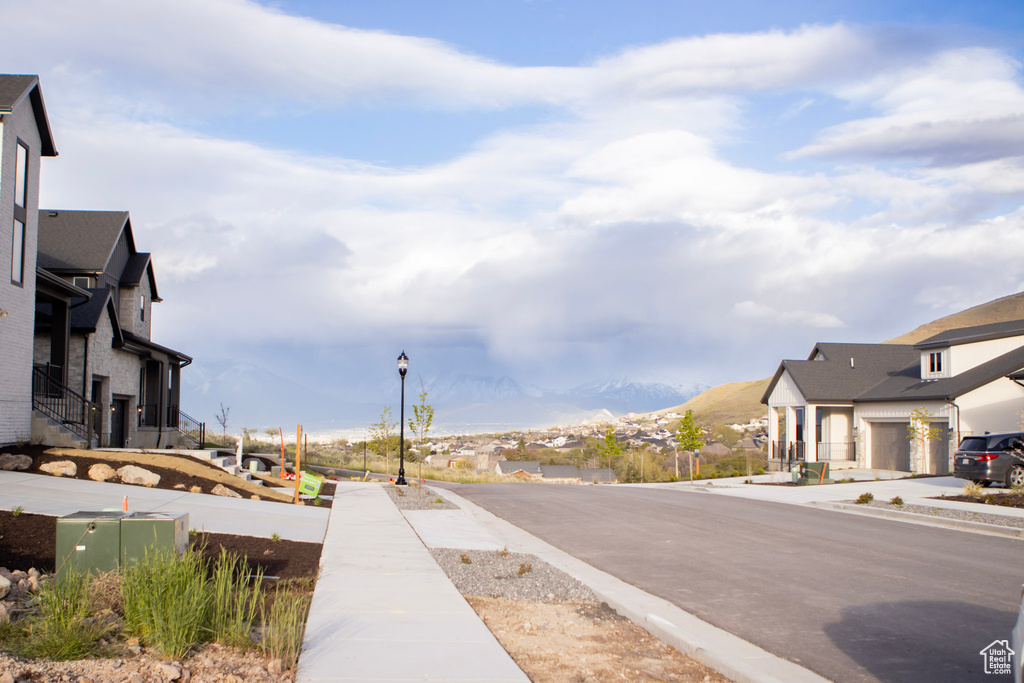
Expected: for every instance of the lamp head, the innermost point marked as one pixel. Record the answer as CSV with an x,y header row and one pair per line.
x,y
403,364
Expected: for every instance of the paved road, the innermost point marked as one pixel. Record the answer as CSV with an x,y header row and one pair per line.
x,y
850,597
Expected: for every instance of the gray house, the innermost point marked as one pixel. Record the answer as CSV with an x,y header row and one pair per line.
x,y
111,359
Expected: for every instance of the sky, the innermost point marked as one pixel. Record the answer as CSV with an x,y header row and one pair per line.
x,y
558,191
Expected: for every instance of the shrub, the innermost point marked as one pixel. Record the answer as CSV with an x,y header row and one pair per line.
x,y
897,501
235,601
465,559
62,628
972,489
525,568
284,626
865,498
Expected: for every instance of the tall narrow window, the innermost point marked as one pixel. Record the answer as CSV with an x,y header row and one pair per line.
x,y
935,362
142,307
18,253
20,214
21,177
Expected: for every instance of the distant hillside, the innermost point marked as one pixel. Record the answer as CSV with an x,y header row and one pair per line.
x,y
998,311
733,402
740,401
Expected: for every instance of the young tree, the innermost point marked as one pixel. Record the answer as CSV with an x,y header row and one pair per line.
x,y
222,419
384,437
423,417
610,448
920,432
689,437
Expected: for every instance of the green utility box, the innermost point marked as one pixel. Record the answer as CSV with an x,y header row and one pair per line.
x,y
103,541
88,541
310,484
813,473
160,530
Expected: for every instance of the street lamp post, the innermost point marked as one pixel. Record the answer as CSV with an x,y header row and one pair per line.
x,y
403,367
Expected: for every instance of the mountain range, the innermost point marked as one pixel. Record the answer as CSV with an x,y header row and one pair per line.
x,y
259,398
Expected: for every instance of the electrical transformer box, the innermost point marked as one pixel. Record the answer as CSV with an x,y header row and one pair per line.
x,y
88,541
156,531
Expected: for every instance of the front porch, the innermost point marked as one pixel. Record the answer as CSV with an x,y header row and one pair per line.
x,y
828,437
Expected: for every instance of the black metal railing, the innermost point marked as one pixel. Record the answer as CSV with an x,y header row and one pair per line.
x,y
787,453
187,426
147,414
843,451
59,403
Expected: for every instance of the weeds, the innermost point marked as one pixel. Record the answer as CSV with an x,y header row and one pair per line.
x,y
897,501
62,628
284,626
503,552
438,501
865,498
166,599
972,489
235,603
18,511
274,537
465,559
525,568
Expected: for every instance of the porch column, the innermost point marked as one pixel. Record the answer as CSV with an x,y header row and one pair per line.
x,y
811,433
59,339
773,431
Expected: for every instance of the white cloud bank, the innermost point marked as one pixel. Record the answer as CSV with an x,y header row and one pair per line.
x,y
627,231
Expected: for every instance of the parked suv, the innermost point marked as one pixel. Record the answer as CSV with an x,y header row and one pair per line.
x,y
989,458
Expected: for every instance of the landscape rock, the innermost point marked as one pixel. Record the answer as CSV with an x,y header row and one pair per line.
x,y
221,490
60,468
101,472
133,474
275,666
5,586
195,489
7,677
5,616
33,584
33,572
17,462
6,573
168,672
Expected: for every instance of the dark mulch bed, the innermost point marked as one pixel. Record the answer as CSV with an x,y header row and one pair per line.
x,y
1011,500
28,541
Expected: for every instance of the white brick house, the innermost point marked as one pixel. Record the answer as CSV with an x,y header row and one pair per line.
x,y
851,404
25,138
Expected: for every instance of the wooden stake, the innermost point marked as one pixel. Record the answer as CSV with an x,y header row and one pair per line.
x,y
283,468
298,459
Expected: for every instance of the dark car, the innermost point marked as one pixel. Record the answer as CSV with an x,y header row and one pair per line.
x,y
988,458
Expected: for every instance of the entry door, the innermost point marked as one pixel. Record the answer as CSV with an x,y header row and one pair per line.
x,y
890,446
118,431
938,452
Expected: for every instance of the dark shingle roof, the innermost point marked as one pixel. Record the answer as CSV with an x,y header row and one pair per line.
x,y
559,471
78,240
967,335
908,384
836,380
86,314
137,266
511,466
13,90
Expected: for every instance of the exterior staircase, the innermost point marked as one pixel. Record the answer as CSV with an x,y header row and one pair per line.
x,y
49,432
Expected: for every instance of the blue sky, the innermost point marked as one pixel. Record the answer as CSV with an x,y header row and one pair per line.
x,y
557,191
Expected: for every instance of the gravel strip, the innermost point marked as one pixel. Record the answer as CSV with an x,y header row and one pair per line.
x,y
492,574
963,515
416,497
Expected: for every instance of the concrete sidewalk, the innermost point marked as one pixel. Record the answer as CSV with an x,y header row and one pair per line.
x,y
383,610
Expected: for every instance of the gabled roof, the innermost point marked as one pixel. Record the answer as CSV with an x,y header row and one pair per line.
x,y
137,266
835,379
969,335
80,240
13,91
908,385
85,314
513,466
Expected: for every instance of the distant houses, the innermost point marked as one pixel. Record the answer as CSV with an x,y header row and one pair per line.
x,y
533,470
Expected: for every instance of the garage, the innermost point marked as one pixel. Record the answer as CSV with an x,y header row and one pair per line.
x,y
890,446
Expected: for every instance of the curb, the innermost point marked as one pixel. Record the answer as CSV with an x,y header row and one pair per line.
x,y
918,518
728,654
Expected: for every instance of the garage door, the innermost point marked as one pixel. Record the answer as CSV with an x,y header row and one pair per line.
x,y
890,446
938,456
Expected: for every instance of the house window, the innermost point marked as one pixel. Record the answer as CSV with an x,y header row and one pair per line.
x,y
142,307
18,253
82,282
935,362
21,177
20,214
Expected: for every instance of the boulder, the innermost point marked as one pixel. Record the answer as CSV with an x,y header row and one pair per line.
x,y
15,461
222,490
60,468
101,472
133,474
5,586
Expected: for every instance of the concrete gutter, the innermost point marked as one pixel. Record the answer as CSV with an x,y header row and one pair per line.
x,y
918,518
726,653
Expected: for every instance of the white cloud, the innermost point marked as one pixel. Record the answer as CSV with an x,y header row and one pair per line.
x,y
762,314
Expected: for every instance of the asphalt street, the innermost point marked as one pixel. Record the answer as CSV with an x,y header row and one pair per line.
x,y
850,597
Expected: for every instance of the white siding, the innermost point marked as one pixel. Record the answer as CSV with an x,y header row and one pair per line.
x,y
967,356
995,407
786,392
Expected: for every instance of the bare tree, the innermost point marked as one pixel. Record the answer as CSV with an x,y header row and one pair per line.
x,y
222,418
